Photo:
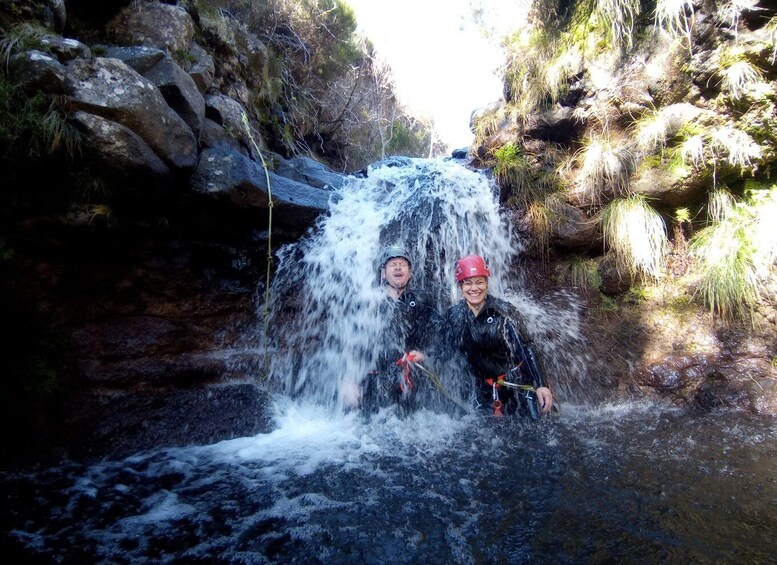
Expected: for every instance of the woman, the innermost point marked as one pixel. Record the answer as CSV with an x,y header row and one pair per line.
x,y
486,330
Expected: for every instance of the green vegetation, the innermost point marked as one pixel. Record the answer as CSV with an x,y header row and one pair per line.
x,y
540,217
20,37
674,17
408,138
734,146
581,273
604,166
736,252
738,74
620,16
322,92
511,168
32,127
636,234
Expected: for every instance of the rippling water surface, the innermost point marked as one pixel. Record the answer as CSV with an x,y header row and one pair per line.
x,y
628,482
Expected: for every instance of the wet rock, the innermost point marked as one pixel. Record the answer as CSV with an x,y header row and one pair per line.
x,y
397,161
226,174
118,424
152,24
118,149
110,89
613,282
308,171
673,374
180,92
667,187
572,230
37,71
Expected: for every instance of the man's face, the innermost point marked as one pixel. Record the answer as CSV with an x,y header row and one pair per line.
x,y
396,272
475,290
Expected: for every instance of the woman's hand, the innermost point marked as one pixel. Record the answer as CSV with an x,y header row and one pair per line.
x,y
545,397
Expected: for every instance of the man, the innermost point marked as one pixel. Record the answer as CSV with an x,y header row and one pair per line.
x,y
414,324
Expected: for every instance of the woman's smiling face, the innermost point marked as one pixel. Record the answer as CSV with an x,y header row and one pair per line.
x,y
475,290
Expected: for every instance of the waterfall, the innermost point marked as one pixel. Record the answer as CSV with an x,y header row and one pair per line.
x,y
328,486
326,296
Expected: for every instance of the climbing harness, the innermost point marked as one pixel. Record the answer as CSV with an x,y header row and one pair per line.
x,y
525,390
406,362
496,404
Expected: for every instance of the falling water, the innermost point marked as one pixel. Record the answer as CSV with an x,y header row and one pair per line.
x,y
605,482
327,297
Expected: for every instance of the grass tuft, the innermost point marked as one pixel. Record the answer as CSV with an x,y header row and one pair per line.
x,y
674,17
652,132
636,234
692,151
512,169
727,281
581,273
721,205
739,77
21,37
605,167
621,16
735,254
764,234
735,146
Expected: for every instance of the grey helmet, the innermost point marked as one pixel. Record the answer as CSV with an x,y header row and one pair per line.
x,y
392,252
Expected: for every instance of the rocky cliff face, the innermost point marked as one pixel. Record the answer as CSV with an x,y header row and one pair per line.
x,y
130,303
635,144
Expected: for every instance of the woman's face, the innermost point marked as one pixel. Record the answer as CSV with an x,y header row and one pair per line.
x,y
397,272
475,290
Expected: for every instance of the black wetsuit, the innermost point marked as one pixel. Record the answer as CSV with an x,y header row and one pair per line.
x,y
415,324
495,347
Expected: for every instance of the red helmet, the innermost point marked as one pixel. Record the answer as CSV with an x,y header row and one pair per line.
x,y
471,266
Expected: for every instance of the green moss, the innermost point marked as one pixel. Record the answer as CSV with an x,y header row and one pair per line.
x,y
581,273
682,215
184,58
676,166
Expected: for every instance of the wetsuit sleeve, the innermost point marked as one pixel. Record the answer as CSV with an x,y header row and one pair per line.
x,y
523,351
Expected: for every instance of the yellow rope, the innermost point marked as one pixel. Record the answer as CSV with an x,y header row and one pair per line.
x,y
266,314
438,383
